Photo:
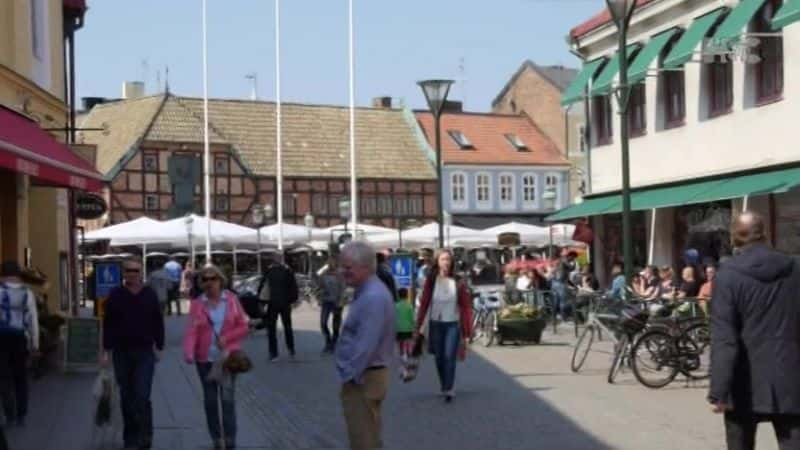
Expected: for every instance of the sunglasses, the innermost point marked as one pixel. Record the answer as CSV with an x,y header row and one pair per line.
x,y
208,279
132,270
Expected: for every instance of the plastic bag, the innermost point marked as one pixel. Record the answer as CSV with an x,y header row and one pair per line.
x,y
103,391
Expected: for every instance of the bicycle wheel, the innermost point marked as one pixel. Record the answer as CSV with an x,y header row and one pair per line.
x,y
582,348
619,356
696,341
653,359
476,326
489,327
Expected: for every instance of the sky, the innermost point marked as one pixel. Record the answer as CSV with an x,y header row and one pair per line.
x,y
478,43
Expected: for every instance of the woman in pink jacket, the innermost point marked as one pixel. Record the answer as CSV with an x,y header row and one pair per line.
x,y
216,312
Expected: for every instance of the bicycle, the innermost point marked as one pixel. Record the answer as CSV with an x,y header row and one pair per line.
x,y
484,322
679,345
595,323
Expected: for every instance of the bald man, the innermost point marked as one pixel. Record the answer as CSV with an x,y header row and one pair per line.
x,y
755,339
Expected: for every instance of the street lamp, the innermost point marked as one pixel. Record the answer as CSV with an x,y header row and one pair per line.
x,y
436,95
261,214
621,12
344,212
309,222
188,221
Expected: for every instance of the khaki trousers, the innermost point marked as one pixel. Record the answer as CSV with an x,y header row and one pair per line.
x,y
362,409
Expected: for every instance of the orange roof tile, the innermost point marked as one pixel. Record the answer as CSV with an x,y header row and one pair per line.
x,y
487,133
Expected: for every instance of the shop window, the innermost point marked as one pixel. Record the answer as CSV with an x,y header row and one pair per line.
x,y
637,113
289,204
769,70
674,90
602,119
720,87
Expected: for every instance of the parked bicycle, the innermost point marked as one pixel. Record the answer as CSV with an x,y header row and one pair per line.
x,y
486,308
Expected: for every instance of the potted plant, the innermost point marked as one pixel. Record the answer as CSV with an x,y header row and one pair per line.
x,y
520,323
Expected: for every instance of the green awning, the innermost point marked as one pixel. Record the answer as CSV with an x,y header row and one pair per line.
x,y
789,13
576,89
638,69
733,25
683,50
589,207
733,186
602,84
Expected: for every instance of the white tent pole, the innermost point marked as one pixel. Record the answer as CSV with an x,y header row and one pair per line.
x,y
206,149
652,246
235,262
278,144
353,180
744,203
144,262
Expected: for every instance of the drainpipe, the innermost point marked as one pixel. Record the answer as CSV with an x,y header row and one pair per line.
x,y
587,127
566,151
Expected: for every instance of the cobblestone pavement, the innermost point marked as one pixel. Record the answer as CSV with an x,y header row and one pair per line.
x,y
509,397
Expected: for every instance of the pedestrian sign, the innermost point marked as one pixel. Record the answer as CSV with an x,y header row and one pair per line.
x,y
403,270
107,277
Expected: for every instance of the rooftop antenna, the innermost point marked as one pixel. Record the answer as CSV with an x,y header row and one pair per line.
x,y
462,78
145,68
253,77
166,79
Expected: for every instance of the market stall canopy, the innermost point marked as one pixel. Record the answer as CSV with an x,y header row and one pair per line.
x,y
133,232
292,233
177,231
528,234
428,234
360,228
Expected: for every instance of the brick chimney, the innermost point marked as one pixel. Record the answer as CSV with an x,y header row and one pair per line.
x,y
453,106
382,102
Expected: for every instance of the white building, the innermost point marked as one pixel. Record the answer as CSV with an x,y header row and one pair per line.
x,y
710,135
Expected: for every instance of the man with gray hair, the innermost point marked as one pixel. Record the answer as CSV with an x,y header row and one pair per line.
x,y
366,346
755,339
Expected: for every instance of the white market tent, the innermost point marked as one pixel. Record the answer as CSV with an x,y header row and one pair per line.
x,y
292,233
428,235
528,234
360,229
134,232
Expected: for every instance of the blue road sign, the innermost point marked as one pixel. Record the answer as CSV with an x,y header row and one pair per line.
x,y
403,270
107,277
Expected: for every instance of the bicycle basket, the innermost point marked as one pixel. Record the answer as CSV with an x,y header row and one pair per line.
x,y
632,319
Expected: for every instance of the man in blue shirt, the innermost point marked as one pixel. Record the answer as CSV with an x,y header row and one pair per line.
x,y
617,290
366,346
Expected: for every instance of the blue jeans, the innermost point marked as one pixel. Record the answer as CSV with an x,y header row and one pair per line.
x,y
134,370
327,310
445,338
559,296
210,396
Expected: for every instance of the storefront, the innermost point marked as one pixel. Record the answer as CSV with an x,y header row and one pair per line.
x,y
694,214
38,178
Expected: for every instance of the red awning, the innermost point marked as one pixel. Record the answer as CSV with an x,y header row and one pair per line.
x,y
26,148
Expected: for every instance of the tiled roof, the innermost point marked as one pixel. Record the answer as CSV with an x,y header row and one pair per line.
x,y
490,145
597,21
315,138
558,76
126,121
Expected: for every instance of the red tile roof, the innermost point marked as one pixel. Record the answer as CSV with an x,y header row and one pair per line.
x,y
487,132
597,21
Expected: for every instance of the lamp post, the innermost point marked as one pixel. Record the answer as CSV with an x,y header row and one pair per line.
x,y
448,221
260,216
189,222
309,222
621,12
344,212
436,95
549,199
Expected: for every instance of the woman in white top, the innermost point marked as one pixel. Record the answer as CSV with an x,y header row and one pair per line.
x,y
445,318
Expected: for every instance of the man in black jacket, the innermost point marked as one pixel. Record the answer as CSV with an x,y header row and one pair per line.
x,y
283,293
755,344
384,272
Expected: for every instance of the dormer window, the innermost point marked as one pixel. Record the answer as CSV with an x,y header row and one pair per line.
x,y
516,142
460,140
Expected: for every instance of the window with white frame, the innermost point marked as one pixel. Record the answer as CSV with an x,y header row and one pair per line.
x,y
551,185
458,188
529,188
506,182
40,48
482,189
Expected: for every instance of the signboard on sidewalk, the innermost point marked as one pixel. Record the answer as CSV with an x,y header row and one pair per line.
x,y
83,342
107,277
403,270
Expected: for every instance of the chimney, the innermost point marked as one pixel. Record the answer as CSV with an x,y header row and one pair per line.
x,y
91,102
453,106
382,102
132,89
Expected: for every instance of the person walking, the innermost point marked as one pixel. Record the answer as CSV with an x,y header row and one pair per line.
x,y
366,347
19,337
755,339
561,280
283,294
161,282
133,332
444,318
175,272
217,327
332,286
384,272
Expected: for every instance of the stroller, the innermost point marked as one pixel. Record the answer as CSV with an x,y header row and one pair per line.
x,y
256,309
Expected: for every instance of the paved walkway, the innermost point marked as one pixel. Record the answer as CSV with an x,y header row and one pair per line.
x,y
508,398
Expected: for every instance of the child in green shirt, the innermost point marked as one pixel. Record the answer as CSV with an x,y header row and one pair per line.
x,y
404,315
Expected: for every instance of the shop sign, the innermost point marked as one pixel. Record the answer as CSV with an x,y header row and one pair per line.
x,y
508,239
709,219
90,206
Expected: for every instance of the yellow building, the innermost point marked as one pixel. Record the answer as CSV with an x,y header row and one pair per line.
x,y
39,174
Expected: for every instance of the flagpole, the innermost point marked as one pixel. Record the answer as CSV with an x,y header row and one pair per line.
x,y
278,144
206,149
353,182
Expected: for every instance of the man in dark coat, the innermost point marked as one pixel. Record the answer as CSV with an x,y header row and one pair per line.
x,y
283,293
755,339
384,273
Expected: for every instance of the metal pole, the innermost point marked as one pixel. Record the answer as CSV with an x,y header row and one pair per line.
x,y
440,211
587,137
144,262
258,248
235,262
206,147
278,144
400,235
622,98
353,180
652,245
744,203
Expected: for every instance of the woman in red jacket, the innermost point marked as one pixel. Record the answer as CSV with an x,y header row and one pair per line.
x,y
217,326
445,319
